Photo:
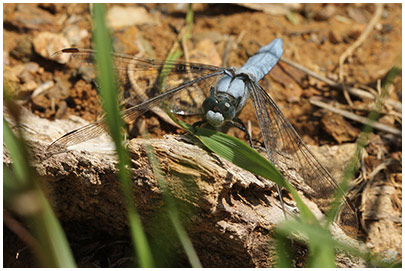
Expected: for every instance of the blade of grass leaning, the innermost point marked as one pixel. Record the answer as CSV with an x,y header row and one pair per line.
x,y
175,53
189,20
53,248
51,235
320,242
172,210
110,105
283,251
167,68
242,155
239,153
318,237
321,256
18,155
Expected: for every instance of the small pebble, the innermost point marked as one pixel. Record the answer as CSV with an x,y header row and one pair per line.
x,y
118,17
29,86
31,67
23,49
46,44
335,37
75,34
325,13
26,76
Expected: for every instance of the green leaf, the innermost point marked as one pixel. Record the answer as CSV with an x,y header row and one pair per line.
x,y
53,248
167,68
320,242
172,211
17,153
240,154
283,251
109,95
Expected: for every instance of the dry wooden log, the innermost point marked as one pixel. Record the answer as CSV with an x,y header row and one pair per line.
x,y
228,212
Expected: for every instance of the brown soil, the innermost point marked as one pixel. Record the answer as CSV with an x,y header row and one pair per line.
x,y
314,35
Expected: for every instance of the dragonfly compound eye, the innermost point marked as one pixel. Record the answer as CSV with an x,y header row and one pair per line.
x,y
209,104
227,110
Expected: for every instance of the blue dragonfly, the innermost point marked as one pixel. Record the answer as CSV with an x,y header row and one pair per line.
x,y
218,94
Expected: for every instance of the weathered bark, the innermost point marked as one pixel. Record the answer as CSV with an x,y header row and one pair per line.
x,y
228,213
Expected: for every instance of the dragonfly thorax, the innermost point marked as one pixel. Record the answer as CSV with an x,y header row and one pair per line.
x,y
226,99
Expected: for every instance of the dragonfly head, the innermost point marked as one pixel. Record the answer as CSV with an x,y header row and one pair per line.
x,y
218,111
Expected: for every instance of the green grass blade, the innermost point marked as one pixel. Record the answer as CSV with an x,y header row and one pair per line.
x,y
184,239
109,95
240,154
322,245
176,53
189,20
390,76
18,155
236,151
167,68
320,242
321,256
53,249
172,210
283,251
51,236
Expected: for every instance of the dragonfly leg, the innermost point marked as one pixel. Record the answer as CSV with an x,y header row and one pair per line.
x,y
198,123
241,126
96,85
281,200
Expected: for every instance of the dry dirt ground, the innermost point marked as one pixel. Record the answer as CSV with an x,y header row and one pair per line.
x,y
315,36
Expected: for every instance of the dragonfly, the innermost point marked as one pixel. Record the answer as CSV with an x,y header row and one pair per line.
x,y
218,94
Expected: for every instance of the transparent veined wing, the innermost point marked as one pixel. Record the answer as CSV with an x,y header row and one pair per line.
x,y
141,79
163,80
291,156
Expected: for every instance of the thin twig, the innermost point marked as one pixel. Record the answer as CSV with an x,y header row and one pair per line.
x,y
346,95
369,89
349,115
355,91
227,50
230,45
349,51
380,167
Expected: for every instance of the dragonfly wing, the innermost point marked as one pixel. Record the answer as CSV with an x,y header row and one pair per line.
x,y
289,153
141,79
77,136
95,129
